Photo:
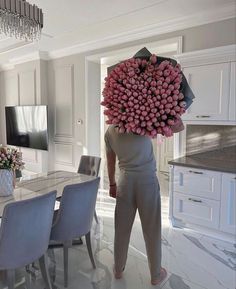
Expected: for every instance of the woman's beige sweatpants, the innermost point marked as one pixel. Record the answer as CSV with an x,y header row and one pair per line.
x,y
138,191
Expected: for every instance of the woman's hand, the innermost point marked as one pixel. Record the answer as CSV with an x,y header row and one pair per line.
x,y
112,191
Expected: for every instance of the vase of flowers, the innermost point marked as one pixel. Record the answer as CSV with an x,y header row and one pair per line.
x,y
10,160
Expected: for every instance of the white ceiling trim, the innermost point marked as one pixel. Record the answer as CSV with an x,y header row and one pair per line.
x,y
223,13
207,56
37,55
159,47
180,23
13,47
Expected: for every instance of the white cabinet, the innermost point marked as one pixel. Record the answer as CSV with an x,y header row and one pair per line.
x,y
165,153
196,210
203,199
211,75
232,100
211,87
228,204
202,183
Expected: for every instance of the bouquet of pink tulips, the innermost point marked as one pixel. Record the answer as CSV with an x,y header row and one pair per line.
x,y
146,95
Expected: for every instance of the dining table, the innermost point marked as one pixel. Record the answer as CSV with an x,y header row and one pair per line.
x,y
35,185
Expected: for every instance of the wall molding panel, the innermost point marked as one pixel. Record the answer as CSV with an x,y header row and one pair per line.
x,y
64,102
64,154
27,87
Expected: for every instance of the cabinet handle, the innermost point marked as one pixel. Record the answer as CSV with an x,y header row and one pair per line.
x,y
194,200
194,172
203,116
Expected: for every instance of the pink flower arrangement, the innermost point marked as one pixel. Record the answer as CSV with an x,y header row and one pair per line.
x,y
10,159
144,96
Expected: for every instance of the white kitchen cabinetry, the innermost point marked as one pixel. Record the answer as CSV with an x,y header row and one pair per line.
x,y
203,199
228,204
196,210
211,87
211,75
232,100
202,183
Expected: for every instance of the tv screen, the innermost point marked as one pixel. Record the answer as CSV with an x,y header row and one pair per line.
x,y
26,126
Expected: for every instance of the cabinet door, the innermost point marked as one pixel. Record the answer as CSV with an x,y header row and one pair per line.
x,y
195,210
210,85
228,204
201,183
165,154
232,101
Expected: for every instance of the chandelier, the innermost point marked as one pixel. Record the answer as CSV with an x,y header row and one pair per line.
x,y
20,19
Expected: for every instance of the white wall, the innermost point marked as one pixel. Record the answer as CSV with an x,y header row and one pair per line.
x,y
93,85
25,85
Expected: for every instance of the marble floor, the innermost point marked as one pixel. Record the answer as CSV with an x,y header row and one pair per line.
x,y
193,261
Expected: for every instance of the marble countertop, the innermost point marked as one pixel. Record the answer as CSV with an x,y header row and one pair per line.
x,y
219,160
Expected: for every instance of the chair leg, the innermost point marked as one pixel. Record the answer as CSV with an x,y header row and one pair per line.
x,y
95,217
11,279
89,247
44,271
66,246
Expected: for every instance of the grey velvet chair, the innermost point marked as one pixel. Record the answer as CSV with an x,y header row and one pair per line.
x,y
24,235
90,165
74,218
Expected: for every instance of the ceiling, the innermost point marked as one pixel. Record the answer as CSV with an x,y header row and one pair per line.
x,y
79,23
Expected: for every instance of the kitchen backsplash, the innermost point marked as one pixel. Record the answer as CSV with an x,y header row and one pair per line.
x,y
202,138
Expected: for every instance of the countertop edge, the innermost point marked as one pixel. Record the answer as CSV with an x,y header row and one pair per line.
x,y
177,162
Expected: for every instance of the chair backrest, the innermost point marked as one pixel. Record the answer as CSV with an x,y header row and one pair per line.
x,y
25,230
89,165
75,215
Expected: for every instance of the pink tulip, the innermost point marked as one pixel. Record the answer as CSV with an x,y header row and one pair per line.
x,y
167,131
175,97
144,113
170,121
182,104
164,117
153,59
165,85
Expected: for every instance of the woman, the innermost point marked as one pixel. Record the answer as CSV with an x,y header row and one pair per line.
x,y
137,188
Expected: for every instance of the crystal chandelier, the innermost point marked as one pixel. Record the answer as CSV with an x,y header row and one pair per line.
x,y
20,19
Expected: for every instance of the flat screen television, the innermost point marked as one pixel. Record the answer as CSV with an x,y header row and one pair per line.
x,y
26,126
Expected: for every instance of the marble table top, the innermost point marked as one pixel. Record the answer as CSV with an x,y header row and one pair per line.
x,y
38,184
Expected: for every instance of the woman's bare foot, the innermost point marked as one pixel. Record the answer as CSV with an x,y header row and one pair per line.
x,y
161,278
117,275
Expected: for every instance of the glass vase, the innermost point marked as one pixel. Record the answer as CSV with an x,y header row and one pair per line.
x,y
6,182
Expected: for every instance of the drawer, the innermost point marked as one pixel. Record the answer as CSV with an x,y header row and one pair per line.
x,y
195,210
201,183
